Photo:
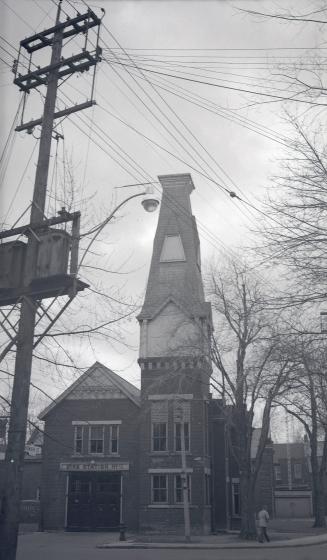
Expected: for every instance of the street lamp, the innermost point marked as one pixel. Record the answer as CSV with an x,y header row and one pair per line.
x,y
150,203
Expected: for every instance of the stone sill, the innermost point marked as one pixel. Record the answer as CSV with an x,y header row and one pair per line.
x,y
95,456
168,453
170,506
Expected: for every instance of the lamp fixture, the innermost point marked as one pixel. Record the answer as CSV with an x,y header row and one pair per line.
x,y
149,202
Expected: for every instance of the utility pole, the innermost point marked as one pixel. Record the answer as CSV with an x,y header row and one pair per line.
x,y
184,475
30,303
186,503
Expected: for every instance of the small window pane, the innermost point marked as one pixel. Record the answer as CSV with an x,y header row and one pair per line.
x,y
78,440
159,436
159,488
114,439
80,486
178,442
96,439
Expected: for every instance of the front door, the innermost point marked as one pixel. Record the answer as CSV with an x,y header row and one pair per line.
x,y
107,501
93,501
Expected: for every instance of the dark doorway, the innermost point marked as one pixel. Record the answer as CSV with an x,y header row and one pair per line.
x,y
93,501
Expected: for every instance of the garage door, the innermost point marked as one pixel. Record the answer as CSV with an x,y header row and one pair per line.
x,y
296,506
93,501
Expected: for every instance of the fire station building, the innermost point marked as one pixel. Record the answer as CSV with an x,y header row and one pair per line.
x,y
115,454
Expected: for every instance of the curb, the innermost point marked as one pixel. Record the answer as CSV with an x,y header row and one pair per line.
x,y
295,543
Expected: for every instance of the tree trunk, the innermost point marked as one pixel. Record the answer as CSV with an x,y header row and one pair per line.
x,y
317,493
248,529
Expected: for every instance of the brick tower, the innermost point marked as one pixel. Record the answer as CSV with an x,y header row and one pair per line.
x,y
175,325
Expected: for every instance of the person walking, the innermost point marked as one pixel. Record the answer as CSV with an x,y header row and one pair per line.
x,y
263,519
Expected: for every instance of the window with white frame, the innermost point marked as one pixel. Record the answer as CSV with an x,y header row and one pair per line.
x,y
78,439
179,479
178,436
159,488
114,437
159,426
236,506
159,436
96,439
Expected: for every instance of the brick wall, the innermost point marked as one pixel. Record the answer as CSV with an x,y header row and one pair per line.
x,y
177,380
58,447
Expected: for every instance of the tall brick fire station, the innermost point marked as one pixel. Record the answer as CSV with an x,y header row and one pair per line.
x,y
113,453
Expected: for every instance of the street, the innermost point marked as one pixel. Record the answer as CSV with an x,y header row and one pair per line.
x,y
79,546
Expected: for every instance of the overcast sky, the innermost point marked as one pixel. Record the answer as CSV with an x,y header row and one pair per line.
x,y
155,53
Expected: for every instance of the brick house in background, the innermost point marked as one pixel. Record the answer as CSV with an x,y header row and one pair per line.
x,y
114,453
225,473
32,474
292,480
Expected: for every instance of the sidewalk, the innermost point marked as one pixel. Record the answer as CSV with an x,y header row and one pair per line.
x,y
213,542
283,533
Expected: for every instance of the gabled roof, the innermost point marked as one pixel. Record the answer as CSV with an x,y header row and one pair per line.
x,y
130,391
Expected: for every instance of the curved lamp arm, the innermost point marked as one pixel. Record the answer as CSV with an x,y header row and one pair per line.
x,y
99,228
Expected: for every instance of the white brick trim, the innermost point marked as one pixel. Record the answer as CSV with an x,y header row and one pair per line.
x,y
171,397
95,422
168,471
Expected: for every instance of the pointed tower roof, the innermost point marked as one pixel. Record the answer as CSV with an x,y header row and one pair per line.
x,y
175,271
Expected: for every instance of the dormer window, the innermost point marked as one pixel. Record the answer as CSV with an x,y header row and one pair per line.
x,y
172,249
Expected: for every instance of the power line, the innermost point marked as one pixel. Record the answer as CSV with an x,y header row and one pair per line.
x,y
189,131
241,90
228,114
183,136
242,49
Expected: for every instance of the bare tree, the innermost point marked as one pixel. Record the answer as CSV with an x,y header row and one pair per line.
x,y
293,237
99,315
304,80
249,372
308,404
